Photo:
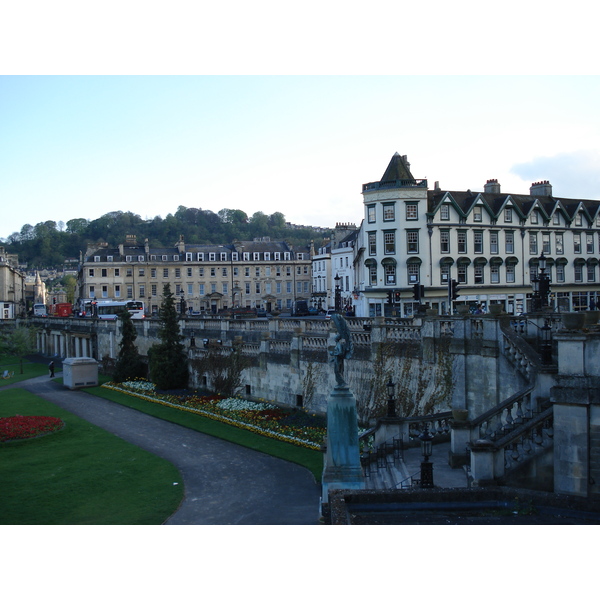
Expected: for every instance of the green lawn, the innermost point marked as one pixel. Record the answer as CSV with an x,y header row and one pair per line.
x,y
30,369
311,459
80,475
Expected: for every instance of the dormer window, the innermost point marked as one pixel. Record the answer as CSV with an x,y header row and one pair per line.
x,y
445,212
223,256
578,219
212,256
96,258
477,214
508,215
534,217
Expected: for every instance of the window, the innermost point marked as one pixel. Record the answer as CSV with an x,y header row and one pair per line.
x,y
257,287
104,272
389,212
90,272
372,236
412,213
389,242
494,274
414,273
165,273
278,287
444,241
288,287
201,289
591,273
558,241
578,274
96,259
462,273
213,272
508,215
140,258
128,258
533,243
578,219
130,291
477,214
189,271
165,258
225,288
556,218
247,287
560,273
142,291
534,217
444,274
257,272
200,271
129,273
546,243
234,256
390,274
509,242
200,257
478,270
510,273
462,242
141,272
109,258
589,243
188,256
445,212
277,256
224,272
493,242
256,256
105,291
92,292
412,242
117,272
223,256
117,291
268,256
175,257
371,213
373,275
213,288
178,272
478,242
190,289
577,243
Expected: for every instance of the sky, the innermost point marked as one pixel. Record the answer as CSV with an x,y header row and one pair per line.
x,y
266,110
82,146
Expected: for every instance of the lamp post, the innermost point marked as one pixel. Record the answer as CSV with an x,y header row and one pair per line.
x,y
544,282
391,408
338,299
426,465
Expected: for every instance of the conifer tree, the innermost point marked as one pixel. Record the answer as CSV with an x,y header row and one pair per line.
x,y
129,363
168,359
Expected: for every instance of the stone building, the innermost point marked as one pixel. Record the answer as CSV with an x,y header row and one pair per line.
x,y
490,242
12,294
206,278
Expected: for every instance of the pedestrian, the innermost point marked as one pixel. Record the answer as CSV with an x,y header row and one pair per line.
x,y
51,368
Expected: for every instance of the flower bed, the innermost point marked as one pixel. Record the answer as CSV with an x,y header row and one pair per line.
x,y
22,428
290,425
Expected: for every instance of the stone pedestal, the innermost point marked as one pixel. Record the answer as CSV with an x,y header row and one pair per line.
x,y
342,469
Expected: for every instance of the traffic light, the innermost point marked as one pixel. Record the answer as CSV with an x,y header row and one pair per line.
x,y
454,289
418,292
390,299
397,295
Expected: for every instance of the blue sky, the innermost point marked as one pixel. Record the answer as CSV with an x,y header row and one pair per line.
x,y
82,146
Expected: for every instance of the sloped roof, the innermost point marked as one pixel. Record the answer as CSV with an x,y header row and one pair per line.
x,y
397,169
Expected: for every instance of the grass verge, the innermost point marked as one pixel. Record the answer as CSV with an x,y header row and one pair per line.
x,y
30,370
81,475
311,459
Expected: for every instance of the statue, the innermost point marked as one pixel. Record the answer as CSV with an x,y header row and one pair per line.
x,y
342,350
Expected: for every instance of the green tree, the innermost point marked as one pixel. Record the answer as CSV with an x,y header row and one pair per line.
x,y
129,363
168,360
18,343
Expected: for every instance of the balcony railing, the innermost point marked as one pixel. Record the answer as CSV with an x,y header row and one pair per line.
x,y
398,183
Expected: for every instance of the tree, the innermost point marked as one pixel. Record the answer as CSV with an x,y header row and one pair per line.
x,y
167,360
129,363
18,343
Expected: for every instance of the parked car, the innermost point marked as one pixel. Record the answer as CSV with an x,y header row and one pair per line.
x,y
313,310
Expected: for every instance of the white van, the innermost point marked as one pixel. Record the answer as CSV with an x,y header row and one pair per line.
x,y
39,310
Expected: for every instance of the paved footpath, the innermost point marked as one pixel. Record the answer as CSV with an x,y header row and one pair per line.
x,y
225,484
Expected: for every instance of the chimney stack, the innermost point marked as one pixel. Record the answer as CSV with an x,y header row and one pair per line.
x,y
541,188
491,186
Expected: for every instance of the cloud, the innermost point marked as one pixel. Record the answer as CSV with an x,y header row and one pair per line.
x,y
572,174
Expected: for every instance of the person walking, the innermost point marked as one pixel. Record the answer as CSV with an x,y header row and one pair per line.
x,y
51,368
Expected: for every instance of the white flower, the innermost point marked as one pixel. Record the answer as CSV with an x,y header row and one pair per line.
x,y
237,404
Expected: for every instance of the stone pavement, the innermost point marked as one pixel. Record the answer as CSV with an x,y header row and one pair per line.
x,y
225,484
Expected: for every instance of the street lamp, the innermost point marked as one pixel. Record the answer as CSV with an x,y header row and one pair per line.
x,y
426,465
546,346
391,388
338,299
544,282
